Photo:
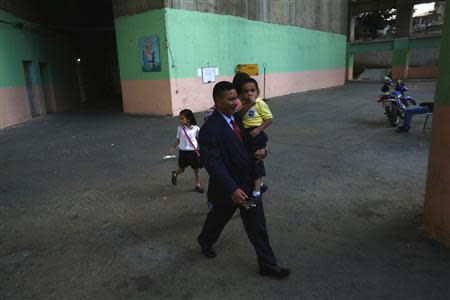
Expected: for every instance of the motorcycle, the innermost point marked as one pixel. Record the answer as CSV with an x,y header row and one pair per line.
x,y
395,102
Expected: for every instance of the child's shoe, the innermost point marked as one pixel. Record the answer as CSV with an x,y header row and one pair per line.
x,y
199,189
174,177
264,188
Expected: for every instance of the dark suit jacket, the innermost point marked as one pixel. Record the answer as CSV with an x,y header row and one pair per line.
x,y
226,158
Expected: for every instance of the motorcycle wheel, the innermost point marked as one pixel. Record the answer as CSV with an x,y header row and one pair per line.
x,y
394,115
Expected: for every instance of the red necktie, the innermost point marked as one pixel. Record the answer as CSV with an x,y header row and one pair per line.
x,y
237,131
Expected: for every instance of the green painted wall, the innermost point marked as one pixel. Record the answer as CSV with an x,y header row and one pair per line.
x,y
202,39
430,42
33,43
129,29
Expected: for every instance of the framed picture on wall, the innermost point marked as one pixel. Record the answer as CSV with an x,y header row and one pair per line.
x,y
151,59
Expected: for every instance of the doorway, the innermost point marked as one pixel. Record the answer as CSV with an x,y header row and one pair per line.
x,y
47,87
28,70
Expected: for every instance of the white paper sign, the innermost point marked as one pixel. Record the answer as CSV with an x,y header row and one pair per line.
x,y
208,75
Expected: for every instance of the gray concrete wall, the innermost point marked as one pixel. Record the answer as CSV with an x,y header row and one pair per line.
x,y
424,57
131,7
382,59
325,15
418,57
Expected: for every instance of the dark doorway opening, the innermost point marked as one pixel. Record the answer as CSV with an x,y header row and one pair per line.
x,y
90,27
28,72
47,87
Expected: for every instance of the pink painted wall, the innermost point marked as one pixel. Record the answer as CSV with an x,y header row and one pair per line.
x,y
423,72
39,100
49,95
14,107
191,93
147,96
400,72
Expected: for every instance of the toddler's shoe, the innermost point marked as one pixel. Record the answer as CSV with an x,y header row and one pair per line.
x,y
264,188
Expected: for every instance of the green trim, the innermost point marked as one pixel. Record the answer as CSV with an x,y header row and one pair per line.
x,y
401,43
443,86
371,47
429,42
202,39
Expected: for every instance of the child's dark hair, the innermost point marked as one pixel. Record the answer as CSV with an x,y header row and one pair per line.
x,y
222,87
238,79
188,114
250,80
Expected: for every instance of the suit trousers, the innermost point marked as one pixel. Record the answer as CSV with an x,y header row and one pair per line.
x,y
254,223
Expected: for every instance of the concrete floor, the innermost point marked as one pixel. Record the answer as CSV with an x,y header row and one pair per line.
x,y
87,210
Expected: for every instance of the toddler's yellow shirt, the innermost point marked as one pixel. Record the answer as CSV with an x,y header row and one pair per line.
x,y
257,114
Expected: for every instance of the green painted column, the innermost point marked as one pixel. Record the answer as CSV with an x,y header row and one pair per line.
x,y
400,59
437,200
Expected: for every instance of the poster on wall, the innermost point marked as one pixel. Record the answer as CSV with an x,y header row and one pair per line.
x,y
151,59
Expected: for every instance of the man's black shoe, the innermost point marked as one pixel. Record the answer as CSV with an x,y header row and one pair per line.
x,y
402,129
207,251
274,271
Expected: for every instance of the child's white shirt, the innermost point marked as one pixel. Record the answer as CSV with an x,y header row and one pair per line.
x,y
193,135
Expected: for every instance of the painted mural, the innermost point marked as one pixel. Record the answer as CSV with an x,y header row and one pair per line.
x,y
151,60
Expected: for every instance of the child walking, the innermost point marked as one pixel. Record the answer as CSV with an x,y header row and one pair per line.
x,y
256,116
189,155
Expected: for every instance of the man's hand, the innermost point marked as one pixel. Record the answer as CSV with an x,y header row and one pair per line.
x,y
260,154
255,132
239,196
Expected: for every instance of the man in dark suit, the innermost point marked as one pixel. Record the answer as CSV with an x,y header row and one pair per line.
x,y
230,167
